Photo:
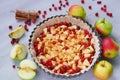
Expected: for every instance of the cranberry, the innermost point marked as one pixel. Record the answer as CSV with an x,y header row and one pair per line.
x,y
42,62
78,69
26,28
96,14
55,71
59,24
61,62
55,26
73,71
86,32
92,54
28,22
39,11
60,1
50,9
48,29
34,21
55,8
63,69
36,43
42,36
82,1
60,40
109,14
13,66
90,60
67,3
103,9
53,59
90,7
43,16
74,32
66,47
16,40
68,67
56,32
105,6
61,4
41,50
45,12
37,16
81,57
53,5
49,64
68,24
76,62
99,2
90,37
87,44
78,27
59,8
12,42
64,6
54,42
10,27
74,36
70,32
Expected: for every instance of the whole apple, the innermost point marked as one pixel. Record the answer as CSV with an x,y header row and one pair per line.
x,y
103,26
103,70
110,48
77,10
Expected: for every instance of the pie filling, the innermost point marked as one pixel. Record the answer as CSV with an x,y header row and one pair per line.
x,y
65,48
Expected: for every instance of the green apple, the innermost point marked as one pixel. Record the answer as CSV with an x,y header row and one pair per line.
x,y
103,70
110,48
18,52
103,26
17,33
27,69
77,10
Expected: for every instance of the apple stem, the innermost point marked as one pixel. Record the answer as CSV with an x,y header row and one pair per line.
x,y
18,67
103,20
104,63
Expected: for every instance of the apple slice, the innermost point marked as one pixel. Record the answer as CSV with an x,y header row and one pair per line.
x,y
27,69
18,52
26,74
28,63
17,33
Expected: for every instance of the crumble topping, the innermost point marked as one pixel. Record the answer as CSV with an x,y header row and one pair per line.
x,y
65,48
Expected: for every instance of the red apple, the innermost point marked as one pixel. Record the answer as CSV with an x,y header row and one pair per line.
x,y
77,10
103,70
110,48
103,26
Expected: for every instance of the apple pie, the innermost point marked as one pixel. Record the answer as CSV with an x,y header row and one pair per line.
x,y
65,45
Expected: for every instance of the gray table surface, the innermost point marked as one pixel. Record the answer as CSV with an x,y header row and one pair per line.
x,y
7,18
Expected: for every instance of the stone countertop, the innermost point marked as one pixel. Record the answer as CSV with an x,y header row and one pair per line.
x,y
8,18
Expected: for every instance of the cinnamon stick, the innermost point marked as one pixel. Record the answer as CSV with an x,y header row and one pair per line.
x,y
23,15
